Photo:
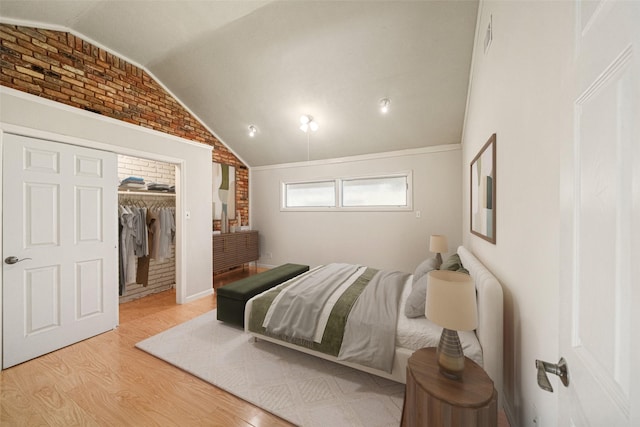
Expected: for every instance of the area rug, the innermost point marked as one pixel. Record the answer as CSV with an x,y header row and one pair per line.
x,y
303,389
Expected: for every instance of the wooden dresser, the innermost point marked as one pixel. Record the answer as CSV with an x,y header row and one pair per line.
x,y
431,399
234,249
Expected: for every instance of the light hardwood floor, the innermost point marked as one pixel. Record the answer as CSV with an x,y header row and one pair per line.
x,y
106,381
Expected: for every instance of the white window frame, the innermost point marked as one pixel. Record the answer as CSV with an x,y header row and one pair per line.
x,y
283,196
338,195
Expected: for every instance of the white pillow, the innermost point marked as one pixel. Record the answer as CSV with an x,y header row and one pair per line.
x,y
416,301
425,266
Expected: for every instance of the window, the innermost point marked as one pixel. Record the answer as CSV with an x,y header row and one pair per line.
x,y
310,194
384,192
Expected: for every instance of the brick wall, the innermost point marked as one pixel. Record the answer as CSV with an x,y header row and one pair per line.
x,y
150,170
64,68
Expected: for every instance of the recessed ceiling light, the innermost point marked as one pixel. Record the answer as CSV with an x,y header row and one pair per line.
x,y
384,105
252,131
307,123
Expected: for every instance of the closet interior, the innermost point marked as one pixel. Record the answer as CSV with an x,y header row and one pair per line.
x,y
146,216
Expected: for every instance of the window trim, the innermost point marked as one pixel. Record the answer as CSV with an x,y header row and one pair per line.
x,y
338,181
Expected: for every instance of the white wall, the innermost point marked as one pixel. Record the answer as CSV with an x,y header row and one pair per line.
x,y
519,91
193,172
387,240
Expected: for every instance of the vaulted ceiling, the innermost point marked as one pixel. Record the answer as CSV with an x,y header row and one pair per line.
x,y
266,63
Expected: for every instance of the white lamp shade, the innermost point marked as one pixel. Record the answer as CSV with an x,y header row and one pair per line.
x,y
438,244
451,300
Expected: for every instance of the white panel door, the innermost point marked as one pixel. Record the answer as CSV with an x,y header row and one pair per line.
x,y
600,239
60,220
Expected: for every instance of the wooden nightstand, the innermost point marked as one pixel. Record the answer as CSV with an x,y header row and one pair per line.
x,y
431,399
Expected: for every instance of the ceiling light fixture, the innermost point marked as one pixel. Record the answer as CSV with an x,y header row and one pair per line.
x,y
252,131
384,105
307,122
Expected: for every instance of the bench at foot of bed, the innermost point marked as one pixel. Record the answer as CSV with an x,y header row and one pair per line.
x,y
232,298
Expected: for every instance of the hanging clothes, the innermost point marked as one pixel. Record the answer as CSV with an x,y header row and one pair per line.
x,y
127,237
141,247
154,233
142,275
167,231
121,274
145,233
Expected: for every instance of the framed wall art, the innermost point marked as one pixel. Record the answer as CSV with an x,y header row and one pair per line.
x,y
224,191
483,192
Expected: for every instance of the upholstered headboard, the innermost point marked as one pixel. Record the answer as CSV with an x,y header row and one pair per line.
x,y
490,317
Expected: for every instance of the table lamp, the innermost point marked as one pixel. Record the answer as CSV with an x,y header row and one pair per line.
x,y
451,303
438,245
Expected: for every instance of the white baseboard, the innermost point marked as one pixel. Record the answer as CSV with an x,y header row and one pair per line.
x,y
198,295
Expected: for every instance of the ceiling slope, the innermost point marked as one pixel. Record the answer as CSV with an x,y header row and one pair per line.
x,y
237,63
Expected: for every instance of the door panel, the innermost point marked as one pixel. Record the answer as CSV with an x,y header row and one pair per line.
x,y
40,160
89,213
88,167
89,288
42,222
599,218
42,286
60,216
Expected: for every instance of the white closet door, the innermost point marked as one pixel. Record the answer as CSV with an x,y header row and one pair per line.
x,y
60,222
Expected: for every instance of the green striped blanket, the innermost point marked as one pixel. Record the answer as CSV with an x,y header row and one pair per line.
x,y
335,298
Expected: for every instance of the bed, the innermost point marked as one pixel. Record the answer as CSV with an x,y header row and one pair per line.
x,y
484,345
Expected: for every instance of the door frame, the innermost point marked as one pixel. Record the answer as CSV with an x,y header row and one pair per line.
x,y
180,174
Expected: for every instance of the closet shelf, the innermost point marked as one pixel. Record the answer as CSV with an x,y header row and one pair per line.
x,y
147,193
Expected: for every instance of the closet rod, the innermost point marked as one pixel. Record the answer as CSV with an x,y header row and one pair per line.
x,y
147,193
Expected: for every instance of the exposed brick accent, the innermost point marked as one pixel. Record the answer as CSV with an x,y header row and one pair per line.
x,y
149,170
64,68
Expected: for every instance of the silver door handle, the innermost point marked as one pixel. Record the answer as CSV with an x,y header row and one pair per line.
x,y
560,369
13,259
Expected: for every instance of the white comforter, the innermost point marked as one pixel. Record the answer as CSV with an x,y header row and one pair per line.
x,y
411,333
369,333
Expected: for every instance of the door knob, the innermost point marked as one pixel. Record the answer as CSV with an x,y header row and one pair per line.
x,y
560,369
13,259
